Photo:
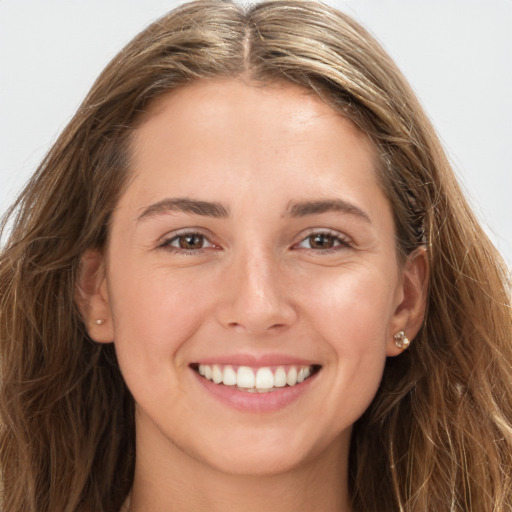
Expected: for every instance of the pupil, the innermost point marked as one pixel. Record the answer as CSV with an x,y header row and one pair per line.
x,y
321,241
191,241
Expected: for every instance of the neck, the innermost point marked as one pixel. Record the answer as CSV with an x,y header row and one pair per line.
x,y
176,481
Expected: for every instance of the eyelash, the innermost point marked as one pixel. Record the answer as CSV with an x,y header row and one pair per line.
x,y
341,242
166,244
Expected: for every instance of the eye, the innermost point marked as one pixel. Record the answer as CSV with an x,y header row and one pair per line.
x,y
324,241
187,242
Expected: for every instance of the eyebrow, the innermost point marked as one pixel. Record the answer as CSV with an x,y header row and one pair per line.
x,y
184,205
218,210
305,208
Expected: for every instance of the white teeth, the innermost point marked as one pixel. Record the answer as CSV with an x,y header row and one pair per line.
x,y
255,380
216,374
229,377
280,378
264,379
291,376
244,377
304,373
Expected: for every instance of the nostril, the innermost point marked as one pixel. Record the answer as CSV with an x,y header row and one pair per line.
x,y
248,328
277,326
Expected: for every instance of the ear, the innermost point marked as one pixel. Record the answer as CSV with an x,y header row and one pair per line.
x,y
91,296
410,312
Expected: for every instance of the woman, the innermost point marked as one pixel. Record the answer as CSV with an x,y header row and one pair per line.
x,y
246,278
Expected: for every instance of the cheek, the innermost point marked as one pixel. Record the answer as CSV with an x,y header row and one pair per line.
x,y
154,314
352,314
354,307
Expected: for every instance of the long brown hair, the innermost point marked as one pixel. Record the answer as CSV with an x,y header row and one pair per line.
x,y
438,435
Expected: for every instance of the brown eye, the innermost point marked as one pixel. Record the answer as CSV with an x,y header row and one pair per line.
x,y
187,243
190,241
322,241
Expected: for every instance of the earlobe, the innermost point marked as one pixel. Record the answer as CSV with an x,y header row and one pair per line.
x,y
91,296
409,314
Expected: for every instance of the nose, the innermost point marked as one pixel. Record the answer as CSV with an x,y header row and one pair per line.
x,y
255,298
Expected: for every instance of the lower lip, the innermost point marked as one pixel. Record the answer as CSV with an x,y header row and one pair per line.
x,y
256,402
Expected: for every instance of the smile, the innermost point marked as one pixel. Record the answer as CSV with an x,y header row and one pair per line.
x,y
256,380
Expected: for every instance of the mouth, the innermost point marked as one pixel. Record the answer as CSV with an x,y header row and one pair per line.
x,y
263,379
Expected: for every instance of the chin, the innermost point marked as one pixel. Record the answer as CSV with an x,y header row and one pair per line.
x,y
256,462
265,451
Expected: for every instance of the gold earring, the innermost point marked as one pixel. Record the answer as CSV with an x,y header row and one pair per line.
x,y
401,340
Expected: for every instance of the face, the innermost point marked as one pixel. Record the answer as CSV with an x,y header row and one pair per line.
x,y
251,283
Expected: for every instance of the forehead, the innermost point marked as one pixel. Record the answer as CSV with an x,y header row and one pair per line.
x,y
221,139
232,117
239,92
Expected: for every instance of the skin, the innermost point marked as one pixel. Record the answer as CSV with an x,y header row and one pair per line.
x,y
259,285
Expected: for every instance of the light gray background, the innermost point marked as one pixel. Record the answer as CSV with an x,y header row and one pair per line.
x,y
457,54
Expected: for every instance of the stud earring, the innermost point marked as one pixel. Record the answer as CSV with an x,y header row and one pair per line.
x,y
401,340
100,321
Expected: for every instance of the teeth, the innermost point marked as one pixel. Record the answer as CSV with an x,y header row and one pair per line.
x,y
264,379
291,376
229,378
280,378
255,380
244,377
216,374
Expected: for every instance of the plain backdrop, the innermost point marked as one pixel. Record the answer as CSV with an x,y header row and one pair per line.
x,y
457,54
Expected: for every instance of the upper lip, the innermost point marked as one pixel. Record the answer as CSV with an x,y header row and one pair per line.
x,y
255,360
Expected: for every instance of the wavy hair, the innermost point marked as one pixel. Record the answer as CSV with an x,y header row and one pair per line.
x,y
437,436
